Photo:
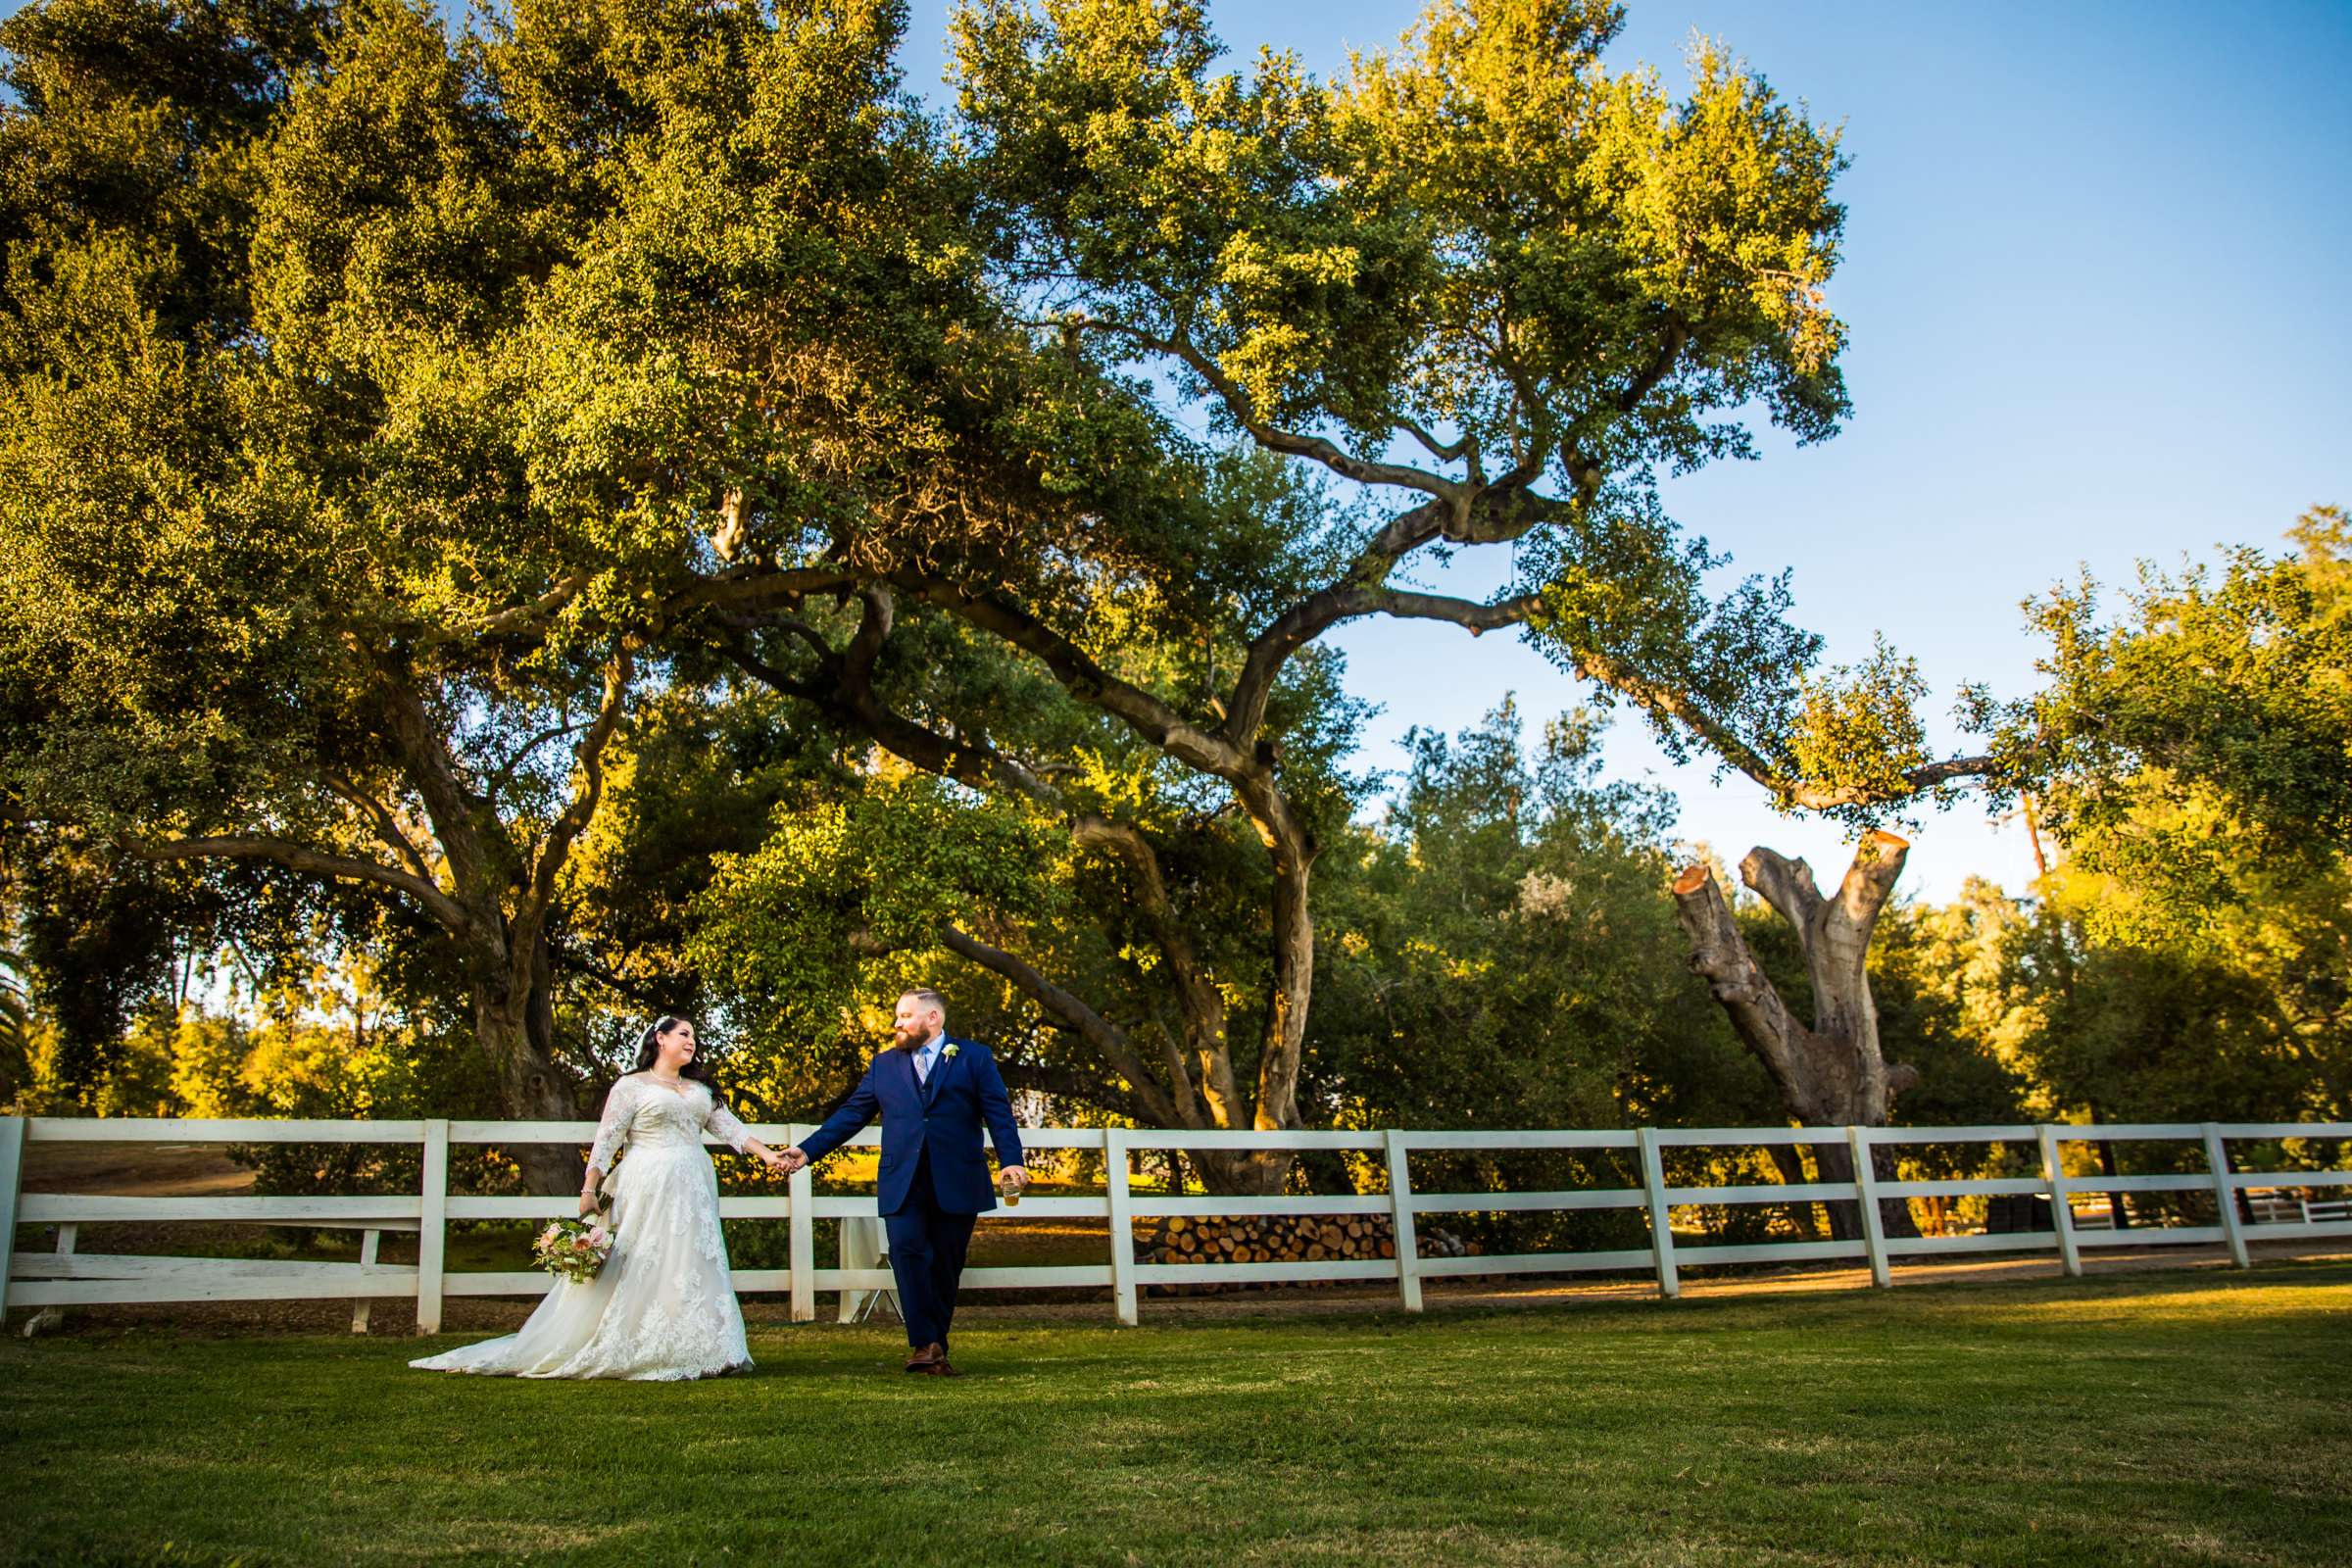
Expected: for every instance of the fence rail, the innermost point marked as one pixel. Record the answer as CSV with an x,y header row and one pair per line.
x,y
66,1276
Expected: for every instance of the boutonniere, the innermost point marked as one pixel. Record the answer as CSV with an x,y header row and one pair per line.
x,y
949,1052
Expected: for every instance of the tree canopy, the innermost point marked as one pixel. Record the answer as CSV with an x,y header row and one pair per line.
x,y
616,508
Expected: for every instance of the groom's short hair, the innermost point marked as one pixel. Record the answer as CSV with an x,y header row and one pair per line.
x,y
929,999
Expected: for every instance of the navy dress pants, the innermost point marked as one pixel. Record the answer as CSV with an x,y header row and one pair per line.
x,y
927,1247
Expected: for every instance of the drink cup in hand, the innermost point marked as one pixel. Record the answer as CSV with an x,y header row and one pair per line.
x,y
1011,1191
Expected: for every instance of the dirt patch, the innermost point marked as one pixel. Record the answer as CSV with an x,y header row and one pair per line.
x,y
490,1316
136,1170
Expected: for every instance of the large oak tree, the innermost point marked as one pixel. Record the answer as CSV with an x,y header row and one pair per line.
x,y
1470,298
331,545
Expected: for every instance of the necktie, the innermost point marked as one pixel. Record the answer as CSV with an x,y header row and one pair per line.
x,y
922,1068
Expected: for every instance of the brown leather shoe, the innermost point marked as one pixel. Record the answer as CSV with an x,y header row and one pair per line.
x,y
929,1359
940,1369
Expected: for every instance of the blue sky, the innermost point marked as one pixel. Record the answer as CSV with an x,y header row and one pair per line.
x,y
2098,274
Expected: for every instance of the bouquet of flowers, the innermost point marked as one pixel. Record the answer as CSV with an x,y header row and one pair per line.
x,y
573,1249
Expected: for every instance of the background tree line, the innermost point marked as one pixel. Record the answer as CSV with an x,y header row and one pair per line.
x,y
619,508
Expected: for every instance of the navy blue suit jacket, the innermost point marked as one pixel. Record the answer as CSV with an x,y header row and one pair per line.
x,y
943,1117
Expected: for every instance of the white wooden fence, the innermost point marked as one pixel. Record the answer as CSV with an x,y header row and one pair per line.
x,y
66,1277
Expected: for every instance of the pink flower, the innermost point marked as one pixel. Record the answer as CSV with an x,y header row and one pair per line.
x,y
599,1237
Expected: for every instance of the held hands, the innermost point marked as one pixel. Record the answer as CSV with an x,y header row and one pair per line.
x,y
788,1162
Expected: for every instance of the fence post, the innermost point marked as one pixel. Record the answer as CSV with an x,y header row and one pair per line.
x,y
860,1247
1122,1222
50,1318
432,1225
12,1175
1662,1220
2062,1213
1400,1211
1866,1198
801,1188
2224,1193
362,1307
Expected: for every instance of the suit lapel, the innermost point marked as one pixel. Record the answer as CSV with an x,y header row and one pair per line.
x,y
939,1073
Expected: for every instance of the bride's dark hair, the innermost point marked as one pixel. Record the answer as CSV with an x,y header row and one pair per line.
x,y
649,1051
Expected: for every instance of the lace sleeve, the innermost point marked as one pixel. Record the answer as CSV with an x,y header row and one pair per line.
x,y
722,1125
613,1130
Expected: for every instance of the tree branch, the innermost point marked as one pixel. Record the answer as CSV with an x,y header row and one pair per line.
x,y
1311,618
1670,350
581,963
1444,452
1197,995
1100,1032
1785,884
1085,679
1867,885
589,758
302,857
752,589
1662,699
1720,956
430,766
530,616
847,695
760,670
386,824
1929,775
1273,437
506,770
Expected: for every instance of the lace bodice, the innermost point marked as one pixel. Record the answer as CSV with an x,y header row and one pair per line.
x,y
642,1111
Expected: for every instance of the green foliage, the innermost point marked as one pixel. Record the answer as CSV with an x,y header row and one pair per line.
x,y
1503,941
368,386
2200,747
366,1069
1862,726
1351,250
695,780
93,948
1503,952
15,1028
2191,758
1554,280
2247,1019
811,933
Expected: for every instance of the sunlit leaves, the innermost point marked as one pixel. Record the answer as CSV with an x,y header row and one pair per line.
x,y
1859,726
847,881
2205,732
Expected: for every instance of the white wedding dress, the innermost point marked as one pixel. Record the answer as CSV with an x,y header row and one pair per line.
x,y
664,1305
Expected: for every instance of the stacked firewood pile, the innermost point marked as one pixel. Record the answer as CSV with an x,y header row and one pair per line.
x,y
1277,1238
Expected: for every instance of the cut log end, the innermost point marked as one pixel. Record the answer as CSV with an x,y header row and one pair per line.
x,y
1880,838
1694,878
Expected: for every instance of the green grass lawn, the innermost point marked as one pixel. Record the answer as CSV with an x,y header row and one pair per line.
x,y
2153,1418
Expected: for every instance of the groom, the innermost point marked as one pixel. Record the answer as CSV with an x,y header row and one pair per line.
x,y
934,1091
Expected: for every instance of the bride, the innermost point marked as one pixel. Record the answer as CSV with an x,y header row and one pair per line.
x,y
662,1307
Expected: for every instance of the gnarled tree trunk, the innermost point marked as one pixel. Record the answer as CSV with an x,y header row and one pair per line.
x,y
455,859
514,1025
1830,1073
